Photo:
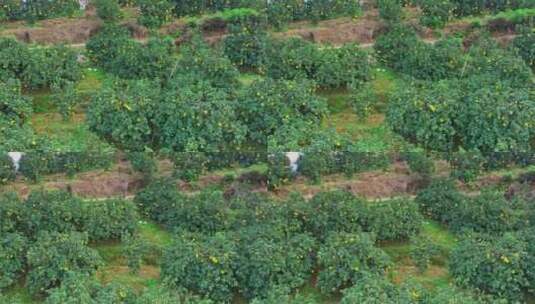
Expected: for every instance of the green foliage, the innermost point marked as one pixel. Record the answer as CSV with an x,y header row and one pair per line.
x,y
108,10
199,118
488,212
40,161
422,251
335,211
113,50
37,67
279,171
280,295
134,250
476,114
268,259
51,65
202,264
346,257
477,7
154,13
15,113
369,289
329,67
157,199
122,113
269,104
54,255
7,170
402,50
189,165
32,10
436,14
200,63
440,199
13,247
144,163
390,10
109,219
246,47
396,219
495,265
421,164
66,98
279,13
524,43
61,212
13,217
53,211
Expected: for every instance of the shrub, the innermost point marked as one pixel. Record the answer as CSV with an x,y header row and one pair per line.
x,y
334,211
346,257
202,264
494,265
279,171
108,10
441,200
157,199
113,50
281,295
134,250
421,164
246,48
270,104
13,247
109,219
491,213
200,63
314,165
7,170
154,13
390,10
189,165
524,43
436,14
65,99
422,251
343,66
12,213
51,65
56,211
32,10
41,161
329,67
265,262
14,57
54,255
396,219
438,116
371,288
144,163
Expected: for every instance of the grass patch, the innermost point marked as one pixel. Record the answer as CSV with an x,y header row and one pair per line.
x,y
154,234
247,79
72,135
92,79
18,294
338,100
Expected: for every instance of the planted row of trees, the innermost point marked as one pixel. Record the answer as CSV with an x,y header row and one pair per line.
x,y
37,67
253,244
461,103
33,10
46,236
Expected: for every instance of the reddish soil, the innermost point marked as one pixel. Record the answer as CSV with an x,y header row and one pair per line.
x,y
339,31
55,31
